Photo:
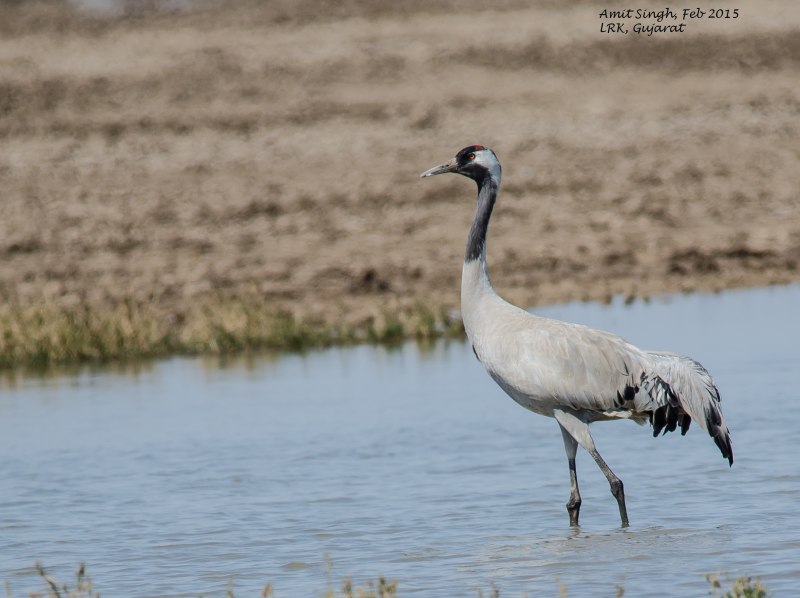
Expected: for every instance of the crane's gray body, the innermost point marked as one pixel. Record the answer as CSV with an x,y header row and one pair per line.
x,y
574,373
546,364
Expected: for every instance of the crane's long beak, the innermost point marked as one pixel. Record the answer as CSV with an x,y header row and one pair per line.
x,y
448,167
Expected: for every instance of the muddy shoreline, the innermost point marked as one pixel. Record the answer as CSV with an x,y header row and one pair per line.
x,y
172,159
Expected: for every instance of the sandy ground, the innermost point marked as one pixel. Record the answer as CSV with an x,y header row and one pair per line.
x,y
275,148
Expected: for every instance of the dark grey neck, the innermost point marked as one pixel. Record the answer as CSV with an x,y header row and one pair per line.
x,y
476,241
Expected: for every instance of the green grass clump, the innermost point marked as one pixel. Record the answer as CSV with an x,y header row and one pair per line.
x,y
383,588
45,334
742,587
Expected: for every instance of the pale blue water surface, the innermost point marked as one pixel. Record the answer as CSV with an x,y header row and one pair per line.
x,y
188,476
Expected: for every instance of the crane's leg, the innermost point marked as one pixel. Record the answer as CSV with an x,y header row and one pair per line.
x,y
579,431
574,503
617,488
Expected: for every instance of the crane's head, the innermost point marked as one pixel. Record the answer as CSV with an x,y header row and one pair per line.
x,y
474,161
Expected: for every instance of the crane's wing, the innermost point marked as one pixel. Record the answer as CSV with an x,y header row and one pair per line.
x,y
678,387
568,365
581,368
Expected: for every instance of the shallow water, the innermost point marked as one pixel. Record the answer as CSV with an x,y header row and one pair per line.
x,y
188,475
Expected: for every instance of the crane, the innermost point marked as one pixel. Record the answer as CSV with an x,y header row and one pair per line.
x,y
573,373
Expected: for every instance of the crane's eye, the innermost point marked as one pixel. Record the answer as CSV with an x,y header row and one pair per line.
x,y
470,156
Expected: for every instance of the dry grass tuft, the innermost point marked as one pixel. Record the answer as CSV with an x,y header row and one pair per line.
x,y
740,587
82,589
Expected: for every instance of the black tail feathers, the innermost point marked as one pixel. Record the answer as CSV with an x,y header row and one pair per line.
x,y
722,440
